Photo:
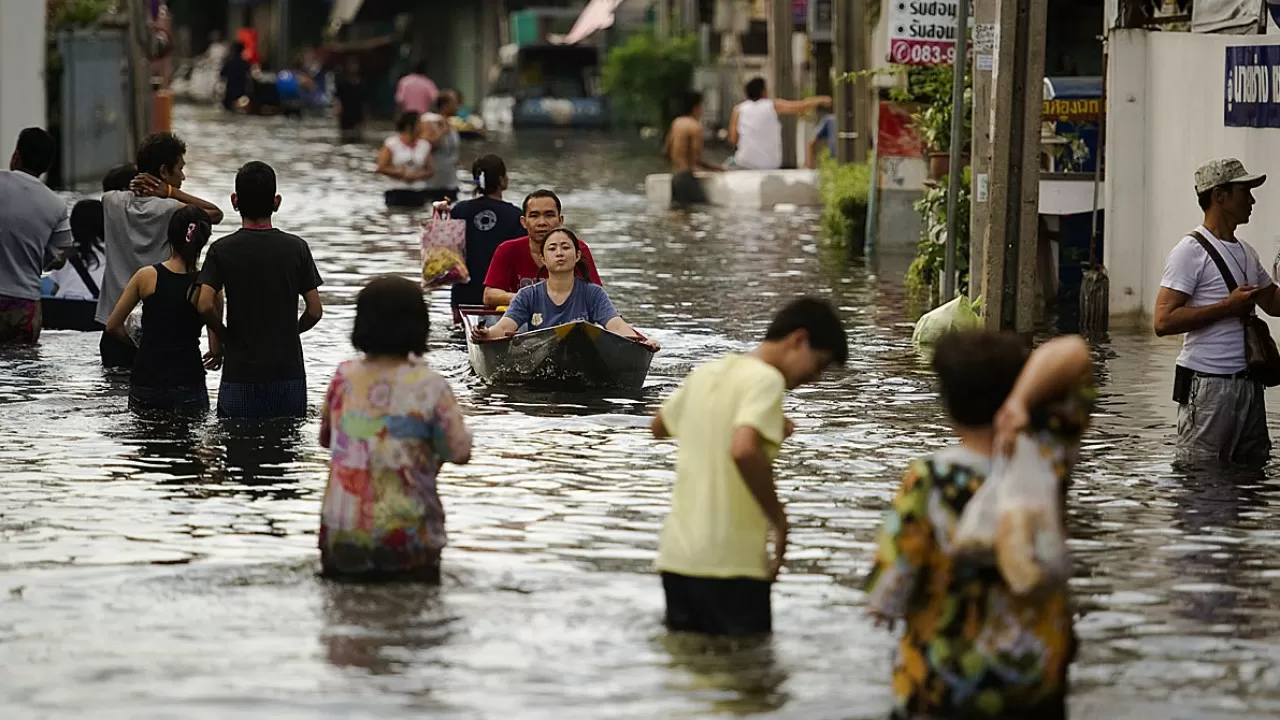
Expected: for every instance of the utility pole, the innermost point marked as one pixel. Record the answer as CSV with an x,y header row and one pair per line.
x,y
984,37
783,82
140,38
958,141
664,19
1010,266
851,39
283,31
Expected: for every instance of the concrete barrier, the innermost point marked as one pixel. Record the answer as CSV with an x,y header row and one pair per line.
x,y
746,189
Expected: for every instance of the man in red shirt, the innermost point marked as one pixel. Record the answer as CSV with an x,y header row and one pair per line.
x,y
518,263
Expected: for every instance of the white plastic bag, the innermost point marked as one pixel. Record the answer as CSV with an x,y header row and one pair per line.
x,y
1030,543
975,536
959,314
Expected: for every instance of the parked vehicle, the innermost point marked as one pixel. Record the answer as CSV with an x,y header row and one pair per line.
x,y
547,86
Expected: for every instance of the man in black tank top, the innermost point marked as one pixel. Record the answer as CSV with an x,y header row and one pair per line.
x,y
263,271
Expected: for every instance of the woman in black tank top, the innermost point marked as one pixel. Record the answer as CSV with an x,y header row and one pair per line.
x,y
168,373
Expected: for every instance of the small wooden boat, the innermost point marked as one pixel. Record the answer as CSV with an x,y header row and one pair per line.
x,y
578,354
69,314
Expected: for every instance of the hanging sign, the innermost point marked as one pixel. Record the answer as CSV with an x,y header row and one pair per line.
x,y
923,32
820,20
1252,94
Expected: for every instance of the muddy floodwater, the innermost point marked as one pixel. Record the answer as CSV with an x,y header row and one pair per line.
x,y
157,569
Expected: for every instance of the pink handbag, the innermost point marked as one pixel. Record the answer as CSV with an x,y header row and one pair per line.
x,y
444,251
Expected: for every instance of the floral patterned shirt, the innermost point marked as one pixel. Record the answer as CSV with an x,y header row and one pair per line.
x,y
389,429
971,647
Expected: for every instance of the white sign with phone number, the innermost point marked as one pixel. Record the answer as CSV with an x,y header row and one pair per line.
x,y
922,32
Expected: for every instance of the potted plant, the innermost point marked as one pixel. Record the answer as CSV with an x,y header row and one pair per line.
x,y
929,89
933,124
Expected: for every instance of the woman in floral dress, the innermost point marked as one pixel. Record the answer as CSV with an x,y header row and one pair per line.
x,y
390,422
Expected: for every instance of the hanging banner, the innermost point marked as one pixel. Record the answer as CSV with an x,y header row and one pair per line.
x,y
923,32
1252,94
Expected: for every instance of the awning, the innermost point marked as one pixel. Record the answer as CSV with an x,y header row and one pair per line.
x,y
1231,17
343,12
1072,88
597,16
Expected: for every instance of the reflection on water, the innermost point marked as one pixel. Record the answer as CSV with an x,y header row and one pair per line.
x,y
156,568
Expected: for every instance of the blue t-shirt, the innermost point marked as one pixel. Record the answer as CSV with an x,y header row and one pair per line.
x,y
532,306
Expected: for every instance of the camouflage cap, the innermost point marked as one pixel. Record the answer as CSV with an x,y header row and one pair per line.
x,y
1225,171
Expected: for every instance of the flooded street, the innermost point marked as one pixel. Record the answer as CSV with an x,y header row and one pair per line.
x,y
150,568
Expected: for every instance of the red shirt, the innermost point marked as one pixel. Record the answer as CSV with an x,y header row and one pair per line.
x,y
513,267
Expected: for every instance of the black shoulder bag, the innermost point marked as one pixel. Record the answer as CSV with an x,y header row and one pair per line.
x,y
1260,353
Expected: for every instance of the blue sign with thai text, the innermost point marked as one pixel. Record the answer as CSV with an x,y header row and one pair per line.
x,y
1253,86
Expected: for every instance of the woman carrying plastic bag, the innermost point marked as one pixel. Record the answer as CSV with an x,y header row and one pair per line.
x,y
972,552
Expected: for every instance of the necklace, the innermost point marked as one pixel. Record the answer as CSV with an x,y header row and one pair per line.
x,y
1239,262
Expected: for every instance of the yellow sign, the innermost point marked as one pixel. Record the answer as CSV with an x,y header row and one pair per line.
x,y
1068,110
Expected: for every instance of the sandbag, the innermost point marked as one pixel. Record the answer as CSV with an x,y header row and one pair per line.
x,y
959,314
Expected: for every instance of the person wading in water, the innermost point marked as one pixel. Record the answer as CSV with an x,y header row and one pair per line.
x,y
684,148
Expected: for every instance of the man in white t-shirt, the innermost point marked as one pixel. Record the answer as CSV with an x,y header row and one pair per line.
x,y
1221,411
755,129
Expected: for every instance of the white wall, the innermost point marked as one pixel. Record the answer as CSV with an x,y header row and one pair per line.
x,y
22,96
1165,111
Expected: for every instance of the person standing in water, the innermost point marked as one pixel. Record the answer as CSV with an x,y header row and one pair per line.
x,y
168,372
755,129
350,100
491,221
136,225
446,148
381,517
264,271
727,418
971,647
34,229
406,157
78,276
416,93
684,148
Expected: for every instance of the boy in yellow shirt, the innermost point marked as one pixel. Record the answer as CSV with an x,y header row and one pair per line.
x,y
727,418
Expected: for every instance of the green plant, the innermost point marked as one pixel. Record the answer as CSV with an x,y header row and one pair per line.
x,y
1073,153
845,191
61,14
929,88
645,75
931,252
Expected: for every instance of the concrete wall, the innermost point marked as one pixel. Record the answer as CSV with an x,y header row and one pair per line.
x,y
22,93
1165,111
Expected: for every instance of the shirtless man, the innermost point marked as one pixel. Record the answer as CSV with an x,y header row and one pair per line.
x,y
684,148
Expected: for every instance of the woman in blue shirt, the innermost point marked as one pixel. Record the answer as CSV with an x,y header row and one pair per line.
x,y
561,298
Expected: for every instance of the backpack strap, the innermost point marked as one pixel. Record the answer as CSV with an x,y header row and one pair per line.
x,y
85,277
1217,260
